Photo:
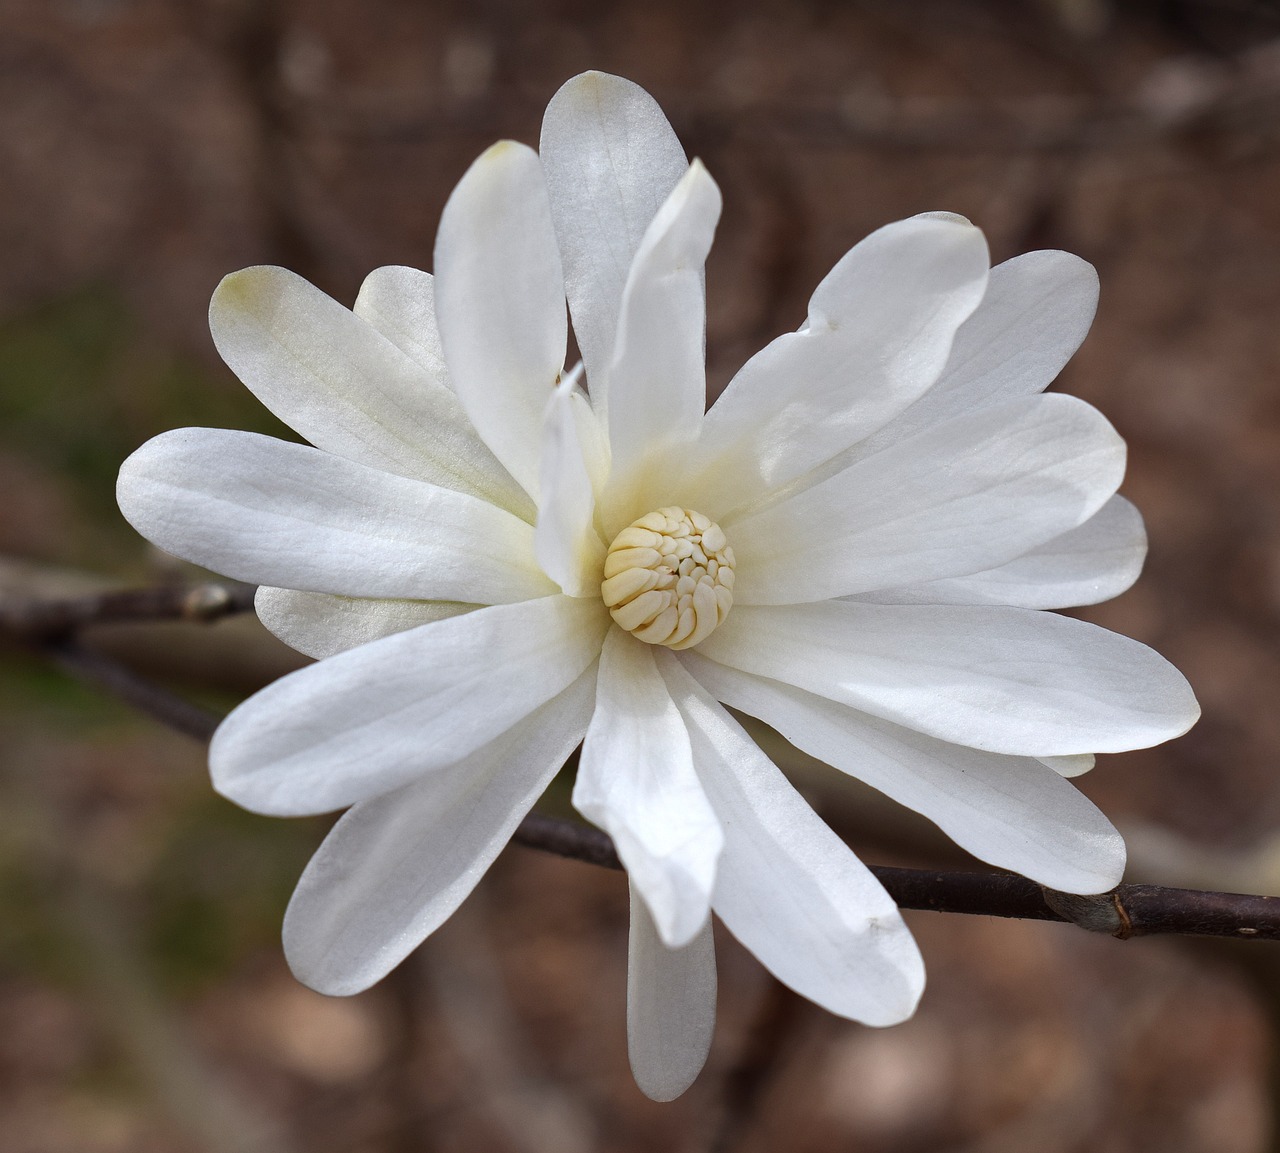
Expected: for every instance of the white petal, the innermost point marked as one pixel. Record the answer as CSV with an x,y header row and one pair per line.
x,y
594,438
500,303
401,304
671,1006
565,540
637,782
373,718
611,161
788,888
879,329
658,381
1012,812
1035,314
1084,566
321,625
394,868
270,512
1002,679
959,498
345,387
1075,766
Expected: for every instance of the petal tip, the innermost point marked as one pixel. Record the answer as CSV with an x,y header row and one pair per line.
x,y
948,217
700,182
241,290
145,468
506,150
309,968
596,85
235,780
662,1086
902,1008
680,926
1099,875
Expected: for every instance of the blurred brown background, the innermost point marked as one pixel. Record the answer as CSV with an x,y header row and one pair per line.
x,y
149,147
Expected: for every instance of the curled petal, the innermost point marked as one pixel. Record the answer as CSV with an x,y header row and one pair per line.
x,y
879,329
636,780
565,540
658,381
1036,312
611,161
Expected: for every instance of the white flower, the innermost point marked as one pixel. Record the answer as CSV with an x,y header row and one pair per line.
x,y
882,501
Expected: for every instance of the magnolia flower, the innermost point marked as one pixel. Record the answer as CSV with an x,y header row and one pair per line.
x,y
854,544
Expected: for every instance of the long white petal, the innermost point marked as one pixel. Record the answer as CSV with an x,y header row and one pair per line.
x,y
1012,812
657,380
636,780
611,161
349,390
1002,679
565,540
671,1005
321,625
1035,314
269,512
394,868
500,306
373,718
788,888
400,303
959,498
879,330
1084,566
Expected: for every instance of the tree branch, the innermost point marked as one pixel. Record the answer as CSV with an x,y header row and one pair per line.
x,y
1128,911
144,695
43,621
51,627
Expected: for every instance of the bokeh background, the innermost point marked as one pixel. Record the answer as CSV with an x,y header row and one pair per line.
x,y
147,147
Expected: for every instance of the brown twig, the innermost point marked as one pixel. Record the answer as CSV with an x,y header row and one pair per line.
x,y
1128,911
44,621
146,696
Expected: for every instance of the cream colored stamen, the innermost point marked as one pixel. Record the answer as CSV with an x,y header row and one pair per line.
x,y
668,578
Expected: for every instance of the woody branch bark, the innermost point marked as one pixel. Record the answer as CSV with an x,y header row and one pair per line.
x,y
52,626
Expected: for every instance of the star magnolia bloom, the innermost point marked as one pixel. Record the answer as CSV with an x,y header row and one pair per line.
x,y
853,545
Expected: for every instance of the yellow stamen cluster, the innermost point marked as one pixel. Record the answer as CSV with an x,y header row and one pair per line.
x,y
668,578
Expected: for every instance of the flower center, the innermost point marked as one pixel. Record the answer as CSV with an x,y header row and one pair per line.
x,y
668,578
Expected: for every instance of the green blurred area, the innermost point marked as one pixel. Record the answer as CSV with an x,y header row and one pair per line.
x,y
82,384
204,884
